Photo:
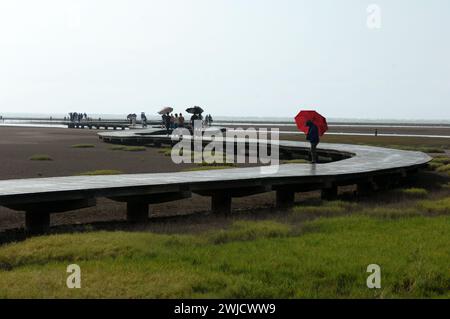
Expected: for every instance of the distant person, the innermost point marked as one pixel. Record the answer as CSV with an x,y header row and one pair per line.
x,y
176,123
376,132
181,120
313,138
166,120
143,119
172,121
194,118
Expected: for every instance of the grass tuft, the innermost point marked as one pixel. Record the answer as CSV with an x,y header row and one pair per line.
x,y
413,192
83,146
439,207
206,168
391,213
322,209
40,157
249,230
127,148
101,172
295,161
444,169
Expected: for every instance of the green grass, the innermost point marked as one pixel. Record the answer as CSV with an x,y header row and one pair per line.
x,y
101,172
127,148
117,147
40,157
206,167
295,161
413,192
321,209
323,258
444,168
83,146
441,206
441,159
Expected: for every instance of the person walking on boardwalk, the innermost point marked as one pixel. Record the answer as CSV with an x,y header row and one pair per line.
x,y
167,123
313,125
181,120
313,138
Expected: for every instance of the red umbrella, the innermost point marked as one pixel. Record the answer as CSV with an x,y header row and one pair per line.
x,y
313,116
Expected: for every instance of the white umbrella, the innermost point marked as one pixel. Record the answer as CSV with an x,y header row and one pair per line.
x,y
165,110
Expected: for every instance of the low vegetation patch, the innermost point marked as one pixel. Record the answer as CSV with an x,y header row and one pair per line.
x,y
207,167
295,161
441,159
116,147
390,213
249,230
40,157
134,148
439,207
322,209
83,146
101,172
128,148
444,168
413,192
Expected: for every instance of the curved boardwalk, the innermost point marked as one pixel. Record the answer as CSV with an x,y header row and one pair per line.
x,y
368,167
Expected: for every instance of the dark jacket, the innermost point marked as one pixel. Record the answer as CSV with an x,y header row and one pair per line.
x,y
313,134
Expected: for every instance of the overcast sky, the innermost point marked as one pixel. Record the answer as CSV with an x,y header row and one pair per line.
x,y
234,57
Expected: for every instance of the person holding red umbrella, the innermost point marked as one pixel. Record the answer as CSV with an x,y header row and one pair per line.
x,y
313,125
313,137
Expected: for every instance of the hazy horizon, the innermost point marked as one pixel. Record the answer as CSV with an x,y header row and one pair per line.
x,y
234,58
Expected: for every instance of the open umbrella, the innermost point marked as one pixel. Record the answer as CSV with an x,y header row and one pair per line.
x,y
195,110
165,110
313,116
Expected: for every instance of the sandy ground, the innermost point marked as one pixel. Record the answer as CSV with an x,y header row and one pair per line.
x,y
18,144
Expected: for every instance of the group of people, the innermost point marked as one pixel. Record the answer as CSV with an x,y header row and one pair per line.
x,y
171,122
77,117
132,117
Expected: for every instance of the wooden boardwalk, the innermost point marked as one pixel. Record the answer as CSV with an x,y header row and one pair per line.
x,y
367,167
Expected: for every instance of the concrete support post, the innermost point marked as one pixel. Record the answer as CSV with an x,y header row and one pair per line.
x,y
137,212
284,199
221,203
37,222
329,193
365,188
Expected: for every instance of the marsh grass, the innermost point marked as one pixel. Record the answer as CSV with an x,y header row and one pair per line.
x,y
321,209
207,167
40,157
441,159
413,192
444,168
438,207
127,148
83,146
249,230
327,258
101,172
295,161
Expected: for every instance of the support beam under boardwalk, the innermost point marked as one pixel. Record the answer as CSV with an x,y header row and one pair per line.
x,y
329,193
284,199
221,203
37,222
137,212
